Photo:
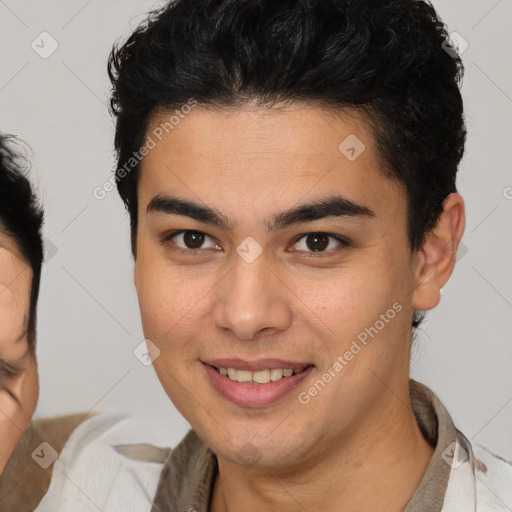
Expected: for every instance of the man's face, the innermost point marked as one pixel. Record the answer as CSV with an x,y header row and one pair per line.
x,y
292,296
18,373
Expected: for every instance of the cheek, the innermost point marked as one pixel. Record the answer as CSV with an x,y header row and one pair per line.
x,y
169,301
155,300
347,300
169,321
358,311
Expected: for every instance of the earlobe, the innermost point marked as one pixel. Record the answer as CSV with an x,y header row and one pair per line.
x,y
438,254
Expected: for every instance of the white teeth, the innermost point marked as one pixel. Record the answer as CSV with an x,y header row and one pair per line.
x,y
243,376
276,374
259,377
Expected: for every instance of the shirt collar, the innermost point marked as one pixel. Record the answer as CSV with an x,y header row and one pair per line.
x,y
188,476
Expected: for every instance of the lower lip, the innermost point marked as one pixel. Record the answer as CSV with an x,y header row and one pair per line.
x,y
254,395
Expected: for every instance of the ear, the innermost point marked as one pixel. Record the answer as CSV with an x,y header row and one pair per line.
x,y
438,254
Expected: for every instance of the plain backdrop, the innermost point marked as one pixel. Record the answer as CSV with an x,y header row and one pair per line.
x,y
89,321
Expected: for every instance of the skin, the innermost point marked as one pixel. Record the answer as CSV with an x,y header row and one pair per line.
x,y
19,387
356,445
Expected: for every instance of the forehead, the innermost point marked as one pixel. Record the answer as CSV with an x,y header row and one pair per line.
x,y
15,272
251,157
15,286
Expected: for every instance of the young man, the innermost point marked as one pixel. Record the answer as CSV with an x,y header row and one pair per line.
x,y
289,170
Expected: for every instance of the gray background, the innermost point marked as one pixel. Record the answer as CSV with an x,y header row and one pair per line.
x,y
88,316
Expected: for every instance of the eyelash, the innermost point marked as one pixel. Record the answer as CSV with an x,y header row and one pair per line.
x,y
8,371
343,243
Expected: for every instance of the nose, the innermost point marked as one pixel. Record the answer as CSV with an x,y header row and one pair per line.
x,y
252,301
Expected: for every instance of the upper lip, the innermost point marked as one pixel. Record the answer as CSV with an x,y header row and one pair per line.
x,y
254,366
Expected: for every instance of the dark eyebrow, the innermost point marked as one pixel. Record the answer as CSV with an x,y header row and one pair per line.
x,y
176,206
330,207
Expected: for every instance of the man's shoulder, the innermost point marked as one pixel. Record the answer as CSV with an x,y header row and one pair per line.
x,y
111,461
27,475
480,480
493,481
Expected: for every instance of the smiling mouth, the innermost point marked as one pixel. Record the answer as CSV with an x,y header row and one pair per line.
x,y
259,377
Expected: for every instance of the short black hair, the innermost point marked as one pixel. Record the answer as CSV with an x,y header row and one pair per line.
x,y
389,60
21,218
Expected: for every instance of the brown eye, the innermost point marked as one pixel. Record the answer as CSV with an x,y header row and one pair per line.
x,y
193,239
317,242
320,243
189,241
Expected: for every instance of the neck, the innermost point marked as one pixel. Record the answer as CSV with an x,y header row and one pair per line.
x,y
377,467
